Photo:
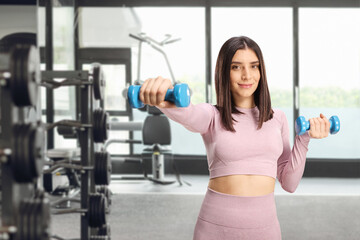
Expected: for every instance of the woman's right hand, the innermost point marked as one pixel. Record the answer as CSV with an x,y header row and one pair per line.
x,y
153,92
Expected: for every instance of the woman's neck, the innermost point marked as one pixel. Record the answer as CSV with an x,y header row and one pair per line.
x,y
245,103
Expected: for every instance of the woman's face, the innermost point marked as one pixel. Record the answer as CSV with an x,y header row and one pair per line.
x,y
244,76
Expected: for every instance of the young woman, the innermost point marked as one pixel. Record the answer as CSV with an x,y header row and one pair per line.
x,y
247,145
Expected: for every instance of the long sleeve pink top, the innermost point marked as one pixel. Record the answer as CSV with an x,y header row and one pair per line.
x,y
248,150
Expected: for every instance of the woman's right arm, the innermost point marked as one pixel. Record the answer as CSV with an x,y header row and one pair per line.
x,y
196,118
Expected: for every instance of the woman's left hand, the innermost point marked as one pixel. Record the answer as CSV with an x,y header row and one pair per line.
x,y
319,127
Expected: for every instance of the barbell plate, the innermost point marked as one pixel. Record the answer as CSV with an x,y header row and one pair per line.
x,y
99,81
19,162
102,168
25,75
100,123
102,210
96,126
28,152
97,210
104,126
92,211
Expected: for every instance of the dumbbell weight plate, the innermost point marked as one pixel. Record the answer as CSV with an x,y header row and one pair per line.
x,y
97,210
102,213
19,161
28,152
99,81
102,168
33,220
25,75
92,210
97,123
100,129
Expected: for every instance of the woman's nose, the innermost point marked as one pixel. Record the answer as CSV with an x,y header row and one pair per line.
x,y
245,74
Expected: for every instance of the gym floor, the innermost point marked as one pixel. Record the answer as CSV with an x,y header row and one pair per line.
x,y
321,208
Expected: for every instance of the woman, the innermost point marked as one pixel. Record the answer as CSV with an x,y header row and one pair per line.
x,y
247,144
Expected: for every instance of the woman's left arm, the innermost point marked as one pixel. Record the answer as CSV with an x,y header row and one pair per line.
x,y
291,163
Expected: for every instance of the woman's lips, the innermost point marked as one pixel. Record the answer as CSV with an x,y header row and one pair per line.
x,y
245,85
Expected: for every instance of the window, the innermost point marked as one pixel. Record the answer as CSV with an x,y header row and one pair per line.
x,y
330,76
187,56
187,59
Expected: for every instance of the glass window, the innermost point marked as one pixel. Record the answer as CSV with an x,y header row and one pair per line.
x,y
107,27
186,57
271,29
330,76
63,45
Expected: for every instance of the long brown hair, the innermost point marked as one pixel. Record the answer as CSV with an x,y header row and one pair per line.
x,y
225,103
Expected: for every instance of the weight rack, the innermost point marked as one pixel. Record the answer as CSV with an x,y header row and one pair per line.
x,y
21,147
91,128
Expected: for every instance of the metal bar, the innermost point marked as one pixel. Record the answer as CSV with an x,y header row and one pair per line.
x,y
67,165
208,82
129,111
61,200
76,56
295,63
120,113
131,141
49,67
66,211
126,126
76,74
84,139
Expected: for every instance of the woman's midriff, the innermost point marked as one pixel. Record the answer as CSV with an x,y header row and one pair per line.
x,y
243,185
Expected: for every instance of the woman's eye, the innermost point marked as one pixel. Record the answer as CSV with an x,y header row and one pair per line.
x,y
235,67
255,66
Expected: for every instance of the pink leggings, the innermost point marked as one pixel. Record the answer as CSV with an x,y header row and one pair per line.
x,y
229,217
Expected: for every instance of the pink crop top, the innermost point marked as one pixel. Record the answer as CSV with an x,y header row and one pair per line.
x,y
248,150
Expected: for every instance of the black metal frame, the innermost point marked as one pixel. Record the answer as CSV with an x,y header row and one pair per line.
x,y
86,140
49,67
208,4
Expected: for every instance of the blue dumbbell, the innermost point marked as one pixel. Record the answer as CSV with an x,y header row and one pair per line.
x,y
301,125
180,95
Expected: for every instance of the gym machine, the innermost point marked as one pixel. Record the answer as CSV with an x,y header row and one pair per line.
x,y
156,135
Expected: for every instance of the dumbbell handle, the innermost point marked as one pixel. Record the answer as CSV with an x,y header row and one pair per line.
x,y
302,125
180,95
